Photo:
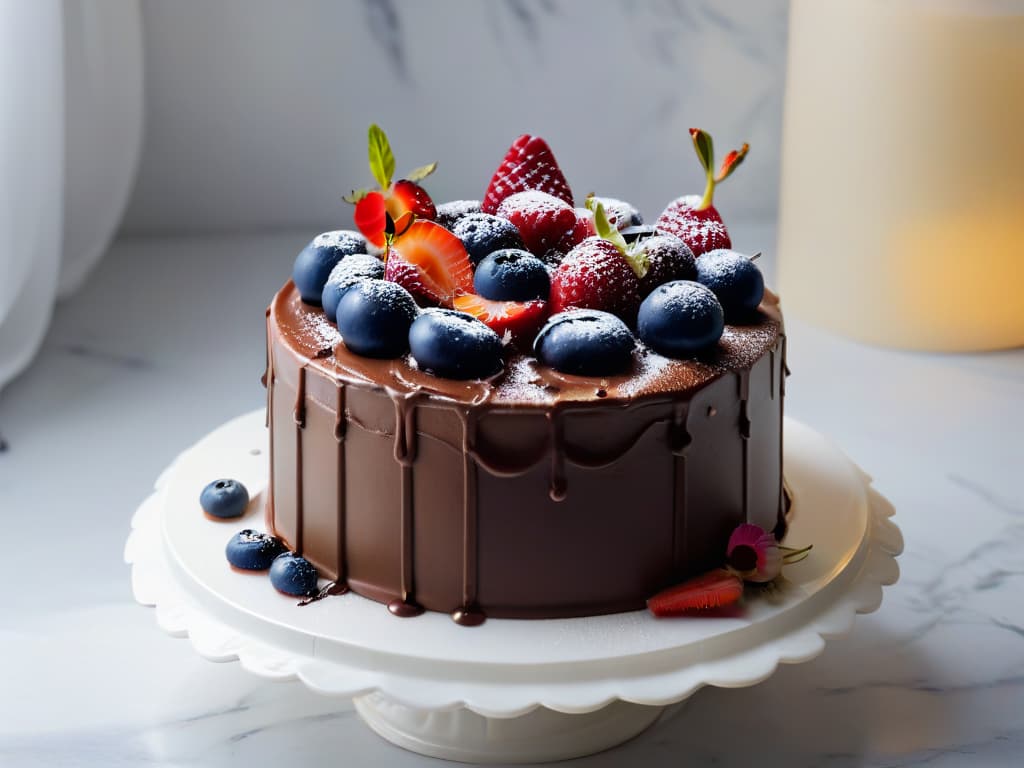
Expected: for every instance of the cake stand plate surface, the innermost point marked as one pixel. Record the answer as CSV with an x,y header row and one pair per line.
x,y
508,690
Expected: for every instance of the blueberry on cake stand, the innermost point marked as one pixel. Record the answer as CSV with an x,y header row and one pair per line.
x,y
509,690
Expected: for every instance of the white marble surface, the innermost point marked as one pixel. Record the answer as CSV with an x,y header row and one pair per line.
x,y
165,341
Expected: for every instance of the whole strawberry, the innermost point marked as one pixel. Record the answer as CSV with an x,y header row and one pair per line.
x,y
395,199
549,226
528,165
693,218
602,272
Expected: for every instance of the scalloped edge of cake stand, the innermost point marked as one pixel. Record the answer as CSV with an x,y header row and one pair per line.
x,y
474,720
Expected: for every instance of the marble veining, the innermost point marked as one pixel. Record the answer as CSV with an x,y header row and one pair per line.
x,y
935,678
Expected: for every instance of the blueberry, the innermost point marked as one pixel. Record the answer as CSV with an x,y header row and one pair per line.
x,y
482,234
293,575
449,213
512,275
454,345
680,319
374,318
735,280
253,551
669,258
315,262
585,342
224,498
346,273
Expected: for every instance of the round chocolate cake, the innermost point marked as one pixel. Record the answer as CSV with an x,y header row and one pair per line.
x,y
533,490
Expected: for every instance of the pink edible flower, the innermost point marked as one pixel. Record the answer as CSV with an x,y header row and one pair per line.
x,y
754,553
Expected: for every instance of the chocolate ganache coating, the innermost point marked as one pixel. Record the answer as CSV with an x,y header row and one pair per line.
x,y
532,494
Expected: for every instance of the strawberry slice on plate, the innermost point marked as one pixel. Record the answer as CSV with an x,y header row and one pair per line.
x,y
529,164
714,589
520,319
431,263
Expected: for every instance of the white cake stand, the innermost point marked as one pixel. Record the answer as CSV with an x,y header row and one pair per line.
x,y
508,691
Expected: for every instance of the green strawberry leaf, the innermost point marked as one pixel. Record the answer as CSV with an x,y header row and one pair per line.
x,y
731,162
633,254
355,195
705,149
382,160
421,173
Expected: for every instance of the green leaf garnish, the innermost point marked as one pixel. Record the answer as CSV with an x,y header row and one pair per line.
x,y
705,148
355,195
421,173
634,254
382,160
731,162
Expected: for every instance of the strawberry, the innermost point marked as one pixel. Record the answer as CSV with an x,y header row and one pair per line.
x,y
714,589
528,165
694,219
520,319
602,272
549,226
397,199
429,262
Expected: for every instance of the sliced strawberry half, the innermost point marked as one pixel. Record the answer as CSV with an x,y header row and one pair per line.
x,y
397,199
520,319
431,263
529,164
714,589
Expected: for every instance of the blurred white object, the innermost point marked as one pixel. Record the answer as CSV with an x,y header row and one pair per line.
x,y
70,127
902,207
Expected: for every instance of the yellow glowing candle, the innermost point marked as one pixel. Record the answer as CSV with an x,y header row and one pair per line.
x,y
902,203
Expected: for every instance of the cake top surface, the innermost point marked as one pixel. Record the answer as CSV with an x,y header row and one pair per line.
x,y
523,380
522,297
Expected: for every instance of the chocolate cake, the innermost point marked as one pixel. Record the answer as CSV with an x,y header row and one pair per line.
x,y
526,492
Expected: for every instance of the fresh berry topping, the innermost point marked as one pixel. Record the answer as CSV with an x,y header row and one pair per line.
x,y
528,165
693,218
668,259
585,223
620,213
251,550
293,575
448,214
374,318
369,217
431,263
594,274
315,262
585,342
549,226
483,233
735,280
701,229
519,319
680,319
398,199
512,275
349,271
632,234
715,589
454,345
224,499
409,197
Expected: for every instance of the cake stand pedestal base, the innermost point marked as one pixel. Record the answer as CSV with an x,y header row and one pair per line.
x,y
508,691
540,736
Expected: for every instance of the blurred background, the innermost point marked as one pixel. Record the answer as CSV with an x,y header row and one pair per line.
x,y
162,163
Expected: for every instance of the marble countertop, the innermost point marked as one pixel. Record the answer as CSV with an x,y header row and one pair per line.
x,y
165,342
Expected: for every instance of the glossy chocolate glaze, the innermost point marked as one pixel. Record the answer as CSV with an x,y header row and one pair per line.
x,y
533,494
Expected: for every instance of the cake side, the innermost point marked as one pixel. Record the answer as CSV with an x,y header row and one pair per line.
x,y
530,495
